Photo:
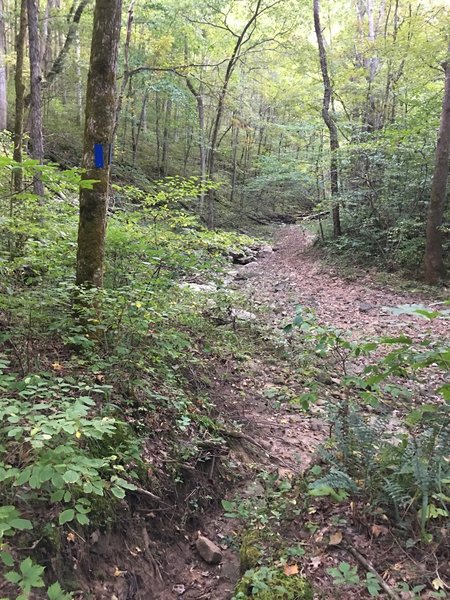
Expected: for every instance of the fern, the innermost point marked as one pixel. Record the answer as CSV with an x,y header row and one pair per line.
x,y
338,480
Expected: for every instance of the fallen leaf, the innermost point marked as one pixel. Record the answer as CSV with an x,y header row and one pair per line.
x,y
95,536
290,570
378,530
335,539
438,584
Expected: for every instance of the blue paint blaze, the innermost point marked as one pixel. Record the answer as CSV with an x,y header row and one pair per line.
x,y
99,159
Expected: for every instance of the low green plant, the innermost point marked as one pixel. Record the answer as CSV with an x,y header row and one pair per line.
x,y
270,583
344,574
406,469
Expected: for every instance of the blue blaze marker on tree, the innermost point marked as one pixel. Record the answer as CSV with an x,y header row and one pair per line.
x,y
99,159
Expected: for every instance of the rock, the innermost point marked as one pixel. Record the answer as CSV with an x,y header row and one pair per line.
x,y
206,288
253,489
265,251
364,307
241,277
243,257
208,550
179,589
244,260
242,315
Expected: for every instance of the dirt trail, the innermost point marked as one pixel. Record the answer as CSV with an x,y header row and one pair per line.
x,y
292,275
276,435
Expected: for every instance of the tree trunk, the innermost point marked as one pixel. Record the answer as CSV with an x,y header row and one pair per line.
x,y
3,97
329,122
126,70
20,95
79,85
46,36
199,99
234,152
434,260
101,107
139,128
36,135
165,143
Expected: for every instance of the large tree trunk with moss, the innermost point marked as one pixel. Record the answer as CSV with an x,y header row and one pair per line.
x,y
20,95
36,135
3,98
434,260
329,122
98,134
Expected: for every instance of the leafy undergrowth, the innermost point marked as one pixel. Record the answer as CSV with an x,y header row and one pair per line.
x,y
107,429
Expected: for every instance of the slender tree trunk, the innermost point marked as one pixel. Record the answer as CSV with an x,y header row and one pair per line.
x,y
126,70
3,97
45,35
199,99
165,143
329,122
187,146
101,105
139,128
434,260
158,132
234,152
36,135
79,80
20,95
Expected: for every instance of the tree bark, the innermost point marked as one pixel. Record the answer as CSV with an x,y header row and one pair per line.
x,y
434,259
329,122
165,141
139,128
20,96
199,99
3,97
101,105
36,135
79,85
126,70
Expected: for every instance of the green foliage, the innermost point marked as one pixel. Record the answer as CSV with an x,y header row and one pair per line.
x,y
84,373
269,583
344,574
403,468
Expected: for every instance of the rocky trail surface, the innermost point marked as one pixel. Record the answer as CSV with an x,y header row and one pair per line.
x,y
275,435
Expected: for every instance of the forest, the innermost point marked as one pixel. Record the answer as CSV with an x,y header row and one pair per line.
x,y
224,307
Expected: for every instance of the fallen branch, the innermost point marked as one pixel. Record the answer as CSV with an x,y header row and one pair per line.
x,y
148,494
367,565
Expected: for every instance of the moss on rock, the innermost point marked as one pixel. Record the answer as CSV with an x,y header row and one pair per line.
x,y
273,584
